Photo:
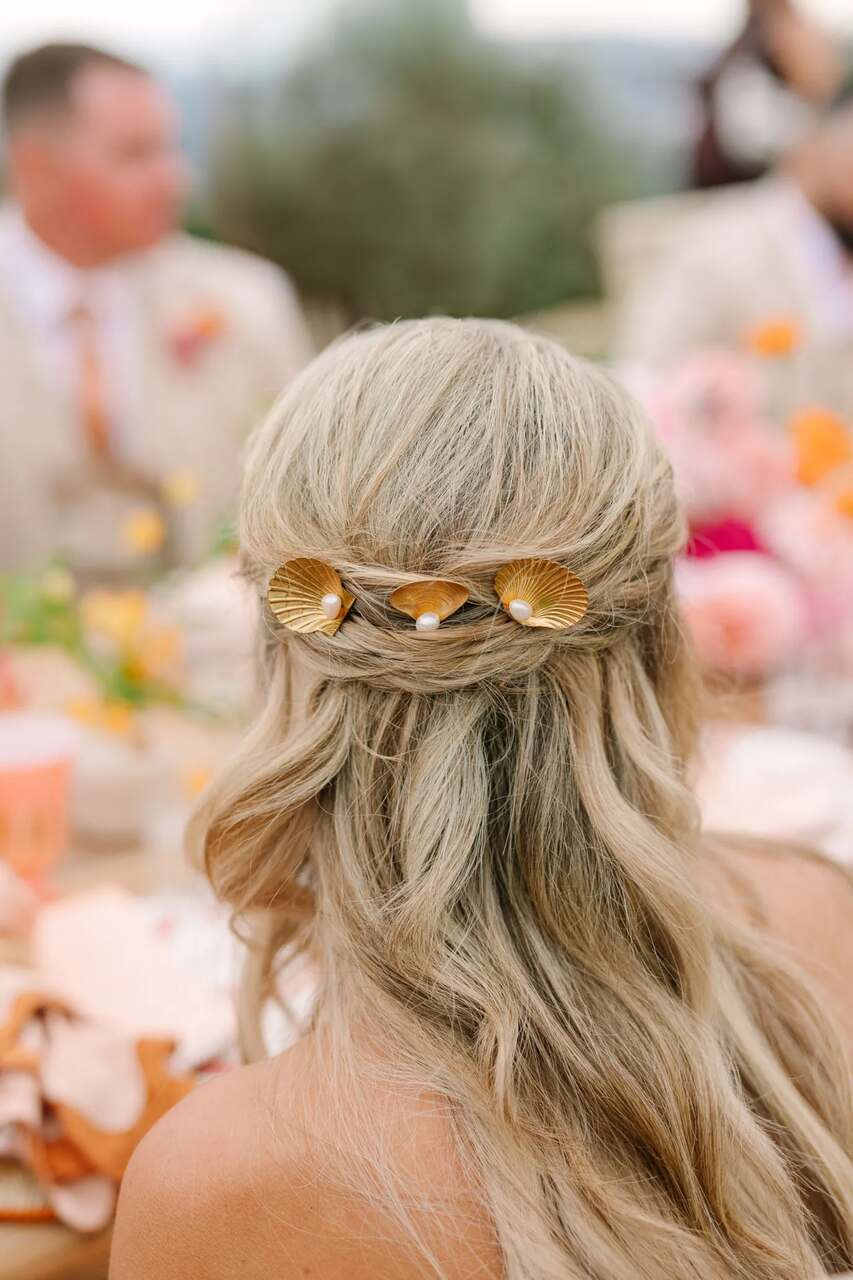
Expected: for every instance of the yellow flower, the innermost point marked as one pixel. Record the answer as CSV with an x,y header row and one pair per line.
x,y
155,654
774,338
195,781
102,714
144,531
822,443
117,615
58,585
180,489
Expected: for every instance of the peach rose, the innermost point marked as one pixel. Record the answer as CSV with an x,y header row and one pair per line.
x,y
745,612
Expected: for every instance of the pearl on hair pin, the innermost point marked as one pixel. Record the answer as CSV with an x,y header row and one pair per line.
x,y
331,604
520,610
428,601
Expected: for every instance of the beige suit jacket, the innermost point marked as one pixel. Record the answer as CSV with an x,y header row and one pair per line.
x,y
729,269
192,412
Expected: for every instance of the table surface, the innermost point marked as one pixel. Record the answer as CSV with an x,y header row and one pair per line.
x,y
50,1251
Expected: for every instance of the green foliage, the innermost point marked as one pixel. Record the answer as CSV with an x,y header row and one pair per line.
x,y
226,540
40,609
44,608
408,166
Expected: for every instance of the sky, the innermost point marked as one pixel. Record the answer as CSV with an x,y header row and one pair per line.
x,y
711,19
180,25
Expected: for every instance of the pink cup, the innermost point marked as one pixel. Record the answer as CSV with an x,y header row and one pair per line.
x,y
36,757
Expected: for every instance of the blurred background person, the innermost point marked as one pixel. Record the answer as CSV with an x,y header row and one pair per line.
x,y
134,358
777,252
764,93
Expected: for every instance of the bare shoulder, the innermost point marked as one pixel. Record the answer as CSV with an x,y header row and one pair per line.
x,y
801,899
190,1169
259,1173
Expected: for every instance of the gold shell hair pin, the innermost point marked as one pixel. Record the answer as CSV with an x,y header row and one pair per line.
x,y
541,593
308,595
429,603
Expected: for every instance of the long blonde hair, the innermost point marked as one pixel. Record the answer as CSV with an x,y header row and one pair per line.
x,y
485,837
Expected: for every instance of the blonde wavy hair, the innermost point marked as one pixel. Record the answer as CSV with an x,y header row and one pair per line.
x,y
485,838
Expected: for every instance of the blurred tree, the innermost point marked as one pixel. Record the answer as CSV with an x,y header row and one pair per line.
x,y
408,166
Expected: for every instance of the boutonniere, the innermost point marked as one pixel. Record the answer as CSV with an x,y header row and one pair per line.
x,y
195,332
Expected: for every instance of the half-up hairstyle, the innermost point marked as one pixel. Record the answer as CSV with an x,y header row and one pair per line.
x,y
484,836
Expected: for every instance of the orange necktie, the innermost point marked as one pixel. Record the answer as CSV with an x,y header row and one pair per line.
x,y
91,391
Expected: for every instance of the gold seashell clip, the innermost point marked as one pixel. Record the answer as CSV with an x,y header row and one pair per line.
x,y
308,595
541,593
429,603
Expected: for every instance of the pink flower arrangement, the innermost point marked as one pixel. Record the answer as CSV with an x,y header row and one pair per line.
x,y
728,462
719,536
768,578
708,389
805,530
745,612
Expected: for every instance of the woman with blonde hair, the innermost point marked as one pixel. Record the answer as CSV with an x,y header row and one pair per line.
x,y
557,1031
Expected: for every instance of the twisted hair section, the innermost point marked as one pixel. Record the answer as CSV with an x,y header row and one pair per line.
x,y
485,838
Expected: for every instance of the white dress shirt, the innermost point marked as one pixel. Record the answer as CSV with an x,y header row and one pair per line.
x,y
759,119
44,290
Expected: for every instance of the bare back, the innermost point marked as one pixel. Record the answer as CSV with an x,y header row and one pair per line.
x,y
253,1174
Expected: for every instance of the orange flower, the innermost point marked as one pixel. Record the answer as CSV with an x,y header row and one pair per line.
x,y
774,338
844,502
822,443
840,490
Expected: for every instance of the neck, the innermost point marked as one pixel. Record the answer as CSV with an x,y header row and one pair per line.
x,y
64,240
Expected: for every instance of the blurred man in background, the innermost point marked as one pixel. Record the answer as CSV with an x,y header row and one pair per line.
x,y
778,252
764,93
133,359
